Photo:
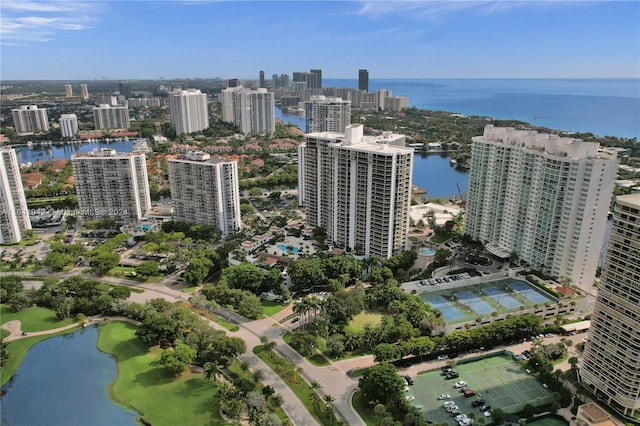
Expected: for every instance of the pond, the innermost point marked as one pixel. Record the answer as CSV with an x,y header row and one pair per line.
x,y
64,381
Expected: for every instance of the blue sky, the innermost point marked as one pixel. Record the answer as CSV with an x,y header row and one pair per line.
x,y
68,40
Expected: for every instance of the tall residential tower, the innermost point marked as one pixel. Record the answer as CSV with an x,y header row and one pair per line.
x,y
28,119
108,117
250,110
363,80
14,215
111,185
189,112
541,197
324,114
357,188
611,363
205,191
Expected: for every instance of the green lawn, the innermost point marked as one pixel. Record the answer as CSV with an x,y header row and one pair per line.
x,y
18,349
365,411
359,322
151,390
33,319
270,308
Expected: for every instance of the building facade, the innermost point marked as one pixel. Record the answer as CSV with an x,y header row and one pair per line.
x,y
324,114
68,90
189,111
29,119
251,110
611,363
84,92
68,125
358,189
106,117
205,191
111,185
14,215
363,80
542,198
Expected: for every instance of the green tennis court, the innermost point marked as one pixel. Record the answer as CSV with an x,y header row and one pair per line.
x,y
504,382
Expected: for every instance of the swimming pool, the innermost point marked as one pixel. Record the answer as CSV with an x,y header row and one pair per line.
x,y
425,251
285,248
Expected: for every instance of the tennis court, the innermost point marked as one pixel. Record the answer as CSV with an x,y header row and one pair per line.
x,y
504,383
501,297
449,312
528,292
474,302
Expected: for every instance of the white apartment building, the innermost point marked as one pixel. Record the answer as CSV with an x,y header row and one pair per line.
x,y
250,110
111,185
68,125
68,90
205,191
106,116
541,197
611,363
14,215
29,119
144,102
357,188
189,112
326,114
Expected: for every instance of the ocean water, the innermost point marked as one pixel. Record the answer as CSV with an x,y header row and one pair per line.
x,y
604,107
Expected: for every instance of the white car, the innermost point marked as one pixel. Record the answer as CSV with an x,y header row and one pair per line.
x,y
410,398
460,417
487,413
442,357
448,403
444,396
465,422
461,384
405,389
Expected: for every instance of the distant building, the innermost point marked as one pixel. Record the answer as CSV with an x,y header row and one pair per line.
x,y
14,214
307,80
357,188
111,185
84,92
189,111
324,114
396,103
68,91
234,82
106,116
144,102
205,191
363,80
263,83
252,111
68,125
611,363
318,79
124,87
541,197
29,119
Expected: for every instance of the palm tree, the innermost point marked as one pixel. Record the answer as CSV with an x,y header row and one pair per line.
x,y
269,348
258,375
211,369
316,386
277,400
315,399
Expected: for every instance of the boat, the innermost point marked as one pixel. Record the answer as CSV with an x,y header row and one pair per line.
x,y
453,162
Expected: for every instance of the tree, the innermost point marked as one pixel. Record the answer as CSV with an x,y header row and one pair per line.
x,y
178,358
385,352
211,370
381,384
56,261
102,261
277,400
9,286
498,416
380,411
573,362
197,270
19,301
245,276
147,269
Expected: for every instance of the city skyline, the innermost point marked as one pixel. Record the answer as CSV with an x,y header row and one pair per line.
x,y
508,39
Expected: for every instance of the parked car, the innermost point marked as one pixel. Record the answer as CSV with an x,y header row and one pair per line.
x,y
296,319
452,376
469,392
409,380
460,417
478,403
449,403
410,398
444,396
485,408
443,357
461,384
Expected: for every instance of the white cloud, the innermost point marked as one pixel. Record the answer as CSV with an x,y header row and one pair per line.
x,y
27,22
436,10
